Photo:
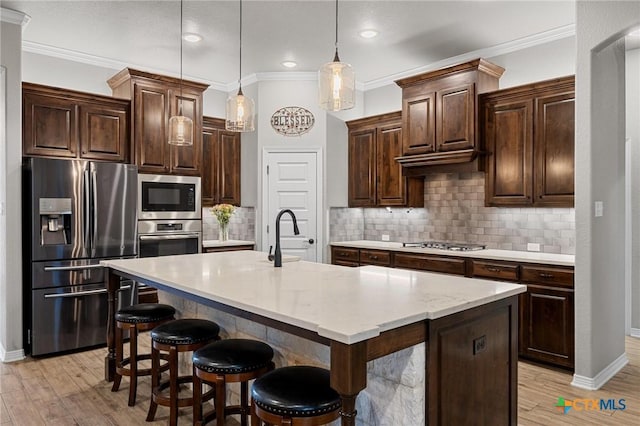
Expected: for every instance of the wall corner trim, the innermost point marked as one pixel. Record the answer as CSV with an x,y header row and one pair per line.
x,y
595,383
11,356
14,17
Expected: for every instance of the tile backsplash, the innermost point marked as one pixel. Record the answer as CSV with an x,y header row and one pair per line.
x,y
242,225
454,210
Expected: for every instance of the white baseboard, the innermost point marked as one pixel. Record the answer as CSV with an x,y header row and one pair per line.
x,y
11,356
635,332
595,383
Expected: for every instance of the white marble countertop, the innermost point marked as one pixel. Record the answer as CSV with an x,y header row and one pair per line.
x,y
343,304
510,255
228,243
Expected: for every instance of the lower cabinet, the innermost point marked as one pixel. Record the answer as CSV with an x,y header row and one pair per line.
x,y
546,310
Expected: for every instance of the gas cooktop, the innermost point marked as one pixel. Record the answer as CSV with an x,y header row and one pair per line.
x,y
444,245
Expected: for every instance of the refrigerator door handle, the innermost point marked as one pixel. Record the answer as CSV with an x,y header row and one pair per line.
x,y
86,208
75,294
71,268
94,210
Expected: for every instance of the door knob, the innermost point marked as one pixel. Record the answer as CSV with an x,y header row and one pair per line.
x,y
311,241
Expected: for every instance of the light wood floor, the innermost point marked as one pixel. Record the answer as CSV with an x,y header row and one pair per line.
x,y
70,390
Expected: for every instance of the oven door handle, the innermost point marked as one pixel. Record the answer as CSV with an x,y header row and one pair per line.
x,y
167,237
76,294
71,268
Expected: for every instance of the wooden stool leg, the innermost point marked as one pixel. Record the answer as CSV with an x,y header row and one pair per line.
x,y
155,382
174,387
133,364
255,421
244,402
197,398
221,399
117,378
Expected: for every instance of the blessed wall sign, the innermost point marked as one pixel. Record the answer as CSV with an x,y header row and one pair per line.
x,y
292,121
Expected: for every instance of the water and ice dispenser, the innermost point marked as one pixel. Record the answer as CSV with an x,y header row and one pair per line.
x,y
55,221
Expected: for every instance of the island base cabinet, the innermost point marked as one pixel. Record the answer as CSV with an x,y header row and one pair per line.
x,y
472,366
547,325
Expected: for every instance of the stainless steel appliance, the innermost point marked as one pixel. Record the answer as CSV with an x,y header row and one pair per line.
x,y
169,237
445,245
169,197
79,212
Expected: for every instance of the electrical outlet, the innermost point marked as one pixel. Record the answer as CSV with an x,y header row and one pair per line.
x,y
533,247
599,209
479,344
385,237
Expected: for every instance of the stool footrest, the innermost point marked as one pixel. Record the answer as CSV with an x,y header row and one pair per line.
x,y
162,399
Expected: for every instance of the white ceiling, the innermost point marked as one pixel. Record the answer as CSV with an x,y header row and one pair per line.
x,y
413,34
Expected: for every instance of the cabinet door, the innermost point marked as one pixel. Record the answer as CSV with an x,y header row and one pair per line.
x,y
50,126
554,150
391,185
150,136
509,142
547,332
362,168
104,132
229,167
419,120
186,160
210,154
455,118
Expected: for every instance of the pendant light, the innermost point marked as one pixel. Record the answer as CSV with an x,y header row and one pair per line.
x,y
336,82
240,108
180,127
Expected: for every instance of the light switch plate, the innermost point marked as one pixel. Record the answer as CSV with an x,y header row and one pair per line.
x,y
533,247
385,237
598,209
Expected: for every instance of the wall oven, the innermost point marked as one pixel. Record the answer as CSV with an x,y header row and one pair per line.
x,y
169,237
168,197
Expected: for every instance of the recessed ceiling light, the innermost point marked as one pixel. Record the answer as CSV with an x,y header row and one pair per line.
x,y
368,33
289,64
192,37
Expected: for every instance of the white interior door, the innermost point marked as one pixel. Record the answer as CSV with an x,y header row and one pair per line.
x,y
292,183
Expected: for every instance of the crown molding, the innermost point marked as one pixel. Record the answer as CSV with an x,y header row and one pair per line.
x,y
14,17
499,49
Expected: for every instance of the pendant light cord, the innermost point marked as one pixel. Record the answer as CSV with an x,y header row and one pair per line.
x,y
336,58
180,103
240,61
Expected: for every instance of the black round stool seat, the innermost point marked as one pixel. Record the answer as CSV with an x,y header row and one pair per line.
x,y
185,332
296,391
145,312
233,356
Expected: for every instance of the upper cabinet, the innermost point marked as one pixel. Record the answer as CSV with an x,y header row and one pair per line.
x,y
69,124
529,135
221,163
375,177
154,99
439,113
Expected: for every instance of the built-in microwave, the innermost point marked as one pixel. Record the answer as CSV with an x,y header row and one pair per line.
x,y
168,197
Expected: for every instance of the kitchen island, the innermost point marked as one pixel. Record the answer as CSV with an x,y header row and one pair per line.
x,y
468,327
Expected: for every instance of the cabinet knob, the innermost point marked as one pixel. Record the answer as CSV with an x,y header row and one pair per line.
x,y
546,276
493,269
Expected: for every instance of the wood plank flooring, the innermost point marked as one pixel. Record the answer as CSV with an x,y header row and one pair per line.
x,y
70,390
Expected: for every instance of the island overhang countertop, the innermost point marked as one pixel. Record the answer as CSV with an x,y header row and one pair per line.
x,y
347,305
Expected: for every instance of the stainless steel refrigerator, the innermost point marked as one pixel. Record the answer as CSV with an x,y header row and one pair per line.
x,y
75,213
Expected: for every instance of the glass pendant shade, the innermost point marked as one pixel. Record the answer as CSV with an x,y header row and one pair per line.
x,y
240,113
336,86
180,130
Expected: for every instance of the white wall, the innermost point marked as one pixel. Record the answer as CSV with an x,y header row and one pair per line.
x,y
11,347
632,76
600,135
382,100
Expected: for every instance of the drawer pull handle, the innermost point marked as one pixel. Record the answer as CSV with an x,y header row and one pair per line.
x,y
493,269
546,276
373,257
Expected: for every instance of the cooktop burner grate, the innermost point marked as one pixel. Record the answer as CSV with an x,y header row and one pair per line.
x,y
444,245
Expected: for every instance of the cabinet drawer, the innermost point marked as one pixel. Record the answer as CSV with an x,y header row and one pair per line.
x,y
547,275
495,270
375,257
339,255
447,265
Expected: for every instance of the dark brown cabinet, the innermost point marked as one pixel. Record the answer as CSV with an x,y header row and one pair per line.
x,y
228,248
154,100
375,177
547,315
70,124
220,164
431,263
529,137
345,256
439,113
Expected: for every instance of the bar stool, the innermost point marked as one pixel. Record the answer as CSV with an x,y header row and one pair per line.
x,y
228,361
135,319
176,336
296,396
